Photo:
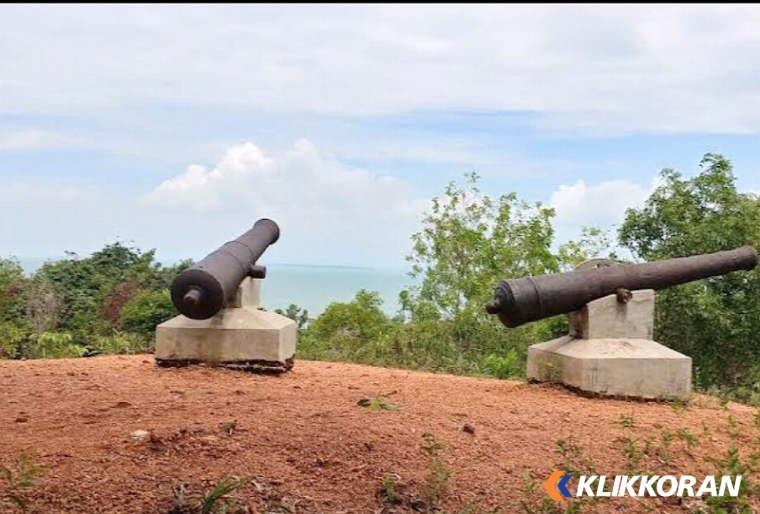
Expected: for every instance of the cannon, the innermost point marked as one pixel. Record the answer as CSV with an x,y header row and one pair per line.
x,y
522,300
221,320
201,291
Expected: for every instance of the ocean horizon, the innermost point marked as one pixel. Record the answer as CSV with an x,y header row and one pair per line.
x,y
314,287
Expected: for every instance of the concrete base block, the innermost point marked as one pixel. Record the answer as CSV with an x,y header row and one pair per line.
x,y
607,318
638,368
240,337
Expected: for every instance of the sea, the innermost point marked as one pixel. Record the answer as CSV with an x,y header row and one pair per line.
x,y
315,287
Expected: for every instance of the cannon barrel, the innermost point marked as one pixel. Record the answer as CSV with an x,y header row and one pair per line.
x,y
522,300
201,291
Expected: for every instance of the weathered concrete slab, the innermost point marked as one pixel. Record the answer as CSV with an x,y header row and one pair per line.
x,y
610,352
240,335
638,368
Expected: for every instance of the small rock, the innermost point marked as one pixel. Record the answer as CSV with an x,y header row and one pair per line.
x,y
22,419
468,428
140,436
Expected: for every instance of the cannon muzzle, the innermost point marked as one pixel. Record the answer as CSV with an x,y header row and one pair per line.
x,y
201,291
522,300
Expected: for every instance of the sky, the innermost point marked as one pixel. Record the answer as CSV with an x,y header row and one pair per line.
x,y
175,127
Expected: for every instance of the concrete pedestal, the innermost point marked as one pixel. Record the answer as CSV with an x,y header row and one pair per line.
x,y
610,352
240,336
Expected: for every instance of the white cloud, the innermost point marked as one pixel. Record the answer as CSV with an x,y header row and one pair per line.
x,y
602,204
602,68
318,202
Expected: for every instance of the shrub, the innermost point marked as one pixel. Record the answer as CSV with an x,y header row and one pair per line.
x,y
145,311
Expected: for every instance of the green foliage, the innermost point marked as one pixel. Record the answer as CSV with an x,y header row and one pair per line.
x,y
218,501
215,501
573,460
437,479
468,243
347,331
377,403
294,312
15,481
121,343
55,345
506,366
12,286
93,291
626,421
389,490
715,321
14,339
146,310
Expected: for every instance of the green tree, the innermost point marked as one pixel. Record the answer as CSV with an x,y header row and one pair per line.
x,y
469,242
714,321
93,290
12,284
14,329
346,331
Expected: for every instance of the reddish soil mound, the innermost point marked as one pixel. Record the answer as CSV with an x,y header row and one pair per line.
x,y
307,446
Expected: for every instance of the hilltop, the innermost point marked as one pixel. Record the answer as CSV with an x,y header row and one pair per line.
x,y
305,444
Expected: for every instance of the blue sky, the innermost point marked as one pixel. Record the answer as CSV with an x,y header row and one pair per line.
x,y
176,127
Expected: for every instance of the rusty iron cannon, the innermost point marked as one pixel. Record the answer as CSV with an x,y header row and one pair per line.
x,y
201,291
522,300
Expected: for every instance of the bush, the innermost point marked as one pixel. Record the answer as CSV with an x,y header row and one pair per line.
x,y
145,311
13,340
349,326
55,345
503,366
122,343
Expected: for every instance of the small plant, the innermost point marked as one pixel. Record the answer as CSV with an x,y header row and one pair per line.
x,y
626,421
215,501
218,501
378,403
431,445
667,439
437,479
678,405
228,426
436,482
687,437
733,465
24,476
389,490
633,456
572,459
502,366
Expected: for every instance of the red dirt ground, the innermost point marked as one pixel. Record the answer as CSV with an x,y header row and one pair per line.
x,y
308,447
